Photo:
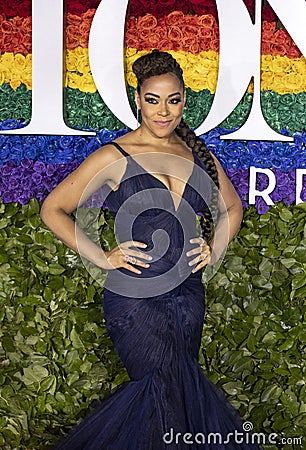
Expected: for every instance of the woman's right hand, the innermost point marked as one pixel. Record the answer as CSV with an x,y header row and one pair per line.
x,y
124,256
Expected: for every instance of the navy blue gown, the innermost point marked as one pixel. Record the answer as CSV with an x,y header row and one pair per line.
x,y
155,321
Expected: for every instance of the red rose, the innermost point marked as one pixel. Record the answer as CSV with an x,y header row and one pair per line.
x,y
166,4
268,14
76,7
182,5
131,24
24,8
135,10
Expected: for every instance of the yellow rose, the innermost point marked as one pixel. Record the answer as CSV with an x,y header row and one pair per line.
x,y
15,81
71,60
299,65
73,80
20,61
86,84
212,78
266,80
83,64
3,76
27,77
280,64
131,79
294,82
278,84
7,60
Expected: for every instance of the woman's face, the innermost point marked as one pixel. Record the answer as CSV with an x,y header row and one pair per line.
x,y
161,100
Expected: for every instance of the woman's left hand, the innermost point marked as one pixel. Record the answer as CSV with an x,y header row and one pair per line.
x,y
202,252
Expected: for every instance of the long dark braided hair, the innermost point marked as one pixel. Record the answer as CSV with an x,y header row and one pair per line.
x,y
161,63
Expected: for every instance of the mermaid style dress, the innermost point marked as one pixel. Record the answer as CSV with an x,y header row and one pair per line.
x,y
155,321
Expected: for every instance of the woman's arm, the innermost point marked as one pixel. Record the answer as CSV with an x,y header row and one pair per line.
x,y
65,198
230,215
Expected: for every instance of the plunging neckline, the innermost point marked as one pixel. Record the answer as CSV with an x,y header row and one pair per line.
x,y
130,157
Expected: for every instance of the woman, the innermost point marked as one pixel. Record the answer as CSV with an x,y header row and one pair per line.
x,y
155,180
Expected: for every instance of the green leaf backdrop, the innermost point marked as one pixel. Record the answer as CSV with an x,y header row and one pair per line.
x,y
56,359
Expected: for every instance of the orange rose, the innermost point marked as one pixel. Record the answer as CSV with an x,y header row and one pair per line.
x,y
204,44
27,42
175,33
175,18
158,34
282,37
18,22
89,15
278,49
265,48
84,32
215,45
73,19
189,42
191,20
160,31
293,52
7,27
190,30
73,37
207,21
147,22
206,33
268,30
144,34
27,25
131,41
165,45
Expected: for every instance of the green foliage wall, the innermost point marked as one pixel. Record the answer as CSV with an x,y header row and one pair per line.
x,y
56,357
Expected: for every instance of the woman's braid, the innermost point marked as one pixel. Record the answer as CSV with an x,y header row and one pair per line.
x,y
195,143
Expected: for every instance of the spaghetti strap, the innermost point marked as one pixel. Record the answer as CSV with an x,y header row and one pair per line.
x,y
124,153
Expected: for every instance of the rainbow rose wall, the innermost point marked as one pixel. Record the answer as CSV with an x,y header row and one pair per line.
x,y
55,355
